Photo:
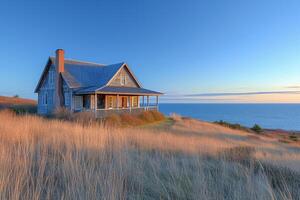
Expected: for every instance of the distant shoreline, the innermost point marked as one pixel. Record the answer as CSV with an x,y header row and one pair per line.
x,y
268,116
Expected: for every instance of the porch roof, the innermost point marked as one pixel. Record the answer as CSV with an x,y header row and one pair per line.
x,y
117,90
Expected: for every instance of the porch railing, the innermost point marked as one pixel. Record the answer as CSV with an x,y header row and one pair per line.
x,y
100,113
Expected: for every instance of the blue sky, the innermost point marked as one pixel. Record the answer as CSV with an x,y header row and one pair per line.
x,y
194,50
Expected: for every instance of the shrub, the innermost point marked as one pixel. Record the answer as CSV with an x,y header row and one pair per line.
x,y
24,109
284,141
113,120
294,137
232,126
257,129
129,119
158,116
147,116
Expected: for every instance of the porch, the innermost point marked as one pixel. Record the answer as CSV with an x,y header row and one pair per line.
x,y
106,104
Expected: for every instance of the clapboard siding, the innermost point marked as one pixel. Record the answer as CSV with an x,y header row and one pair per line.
x,y
46,92
130,82
67,96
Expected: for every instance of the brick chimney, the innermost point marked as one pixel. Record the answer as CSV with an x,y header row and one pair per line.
x,y
60,60
60,68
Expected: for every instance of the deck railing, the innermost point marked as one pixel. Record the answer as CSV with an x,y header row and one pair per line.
x,y
100,113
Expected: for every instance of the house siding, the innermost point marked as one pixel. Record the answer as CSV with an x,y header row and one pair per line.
x,y
130,82
46,92
67,96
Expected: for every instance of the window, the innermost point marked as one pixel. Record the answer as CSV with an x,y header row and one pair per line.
x,y
51,78
110,102
87,101
67,98
123,79
134,101
100,101
45,99
78,102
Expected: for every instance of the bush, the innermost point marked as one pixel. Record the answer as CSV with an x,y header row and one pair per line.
x,y
147,116
294,137
125,119
158,116
257,129
131,120
232,126
24,109
151,116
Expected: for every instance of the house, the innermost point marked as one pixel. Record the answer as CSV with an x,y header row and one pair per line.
x,y
85,86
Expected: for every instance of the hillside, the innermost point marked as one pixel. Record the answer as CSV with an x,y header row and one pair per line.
x,y
19,105
12,101
174,159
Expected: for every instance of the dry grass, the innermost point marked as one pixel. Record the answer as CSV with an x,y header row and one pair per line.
x,y
52,159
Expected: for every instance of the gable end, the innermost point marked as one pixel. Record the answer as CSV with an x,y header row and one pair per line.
x,y
44,75
124,78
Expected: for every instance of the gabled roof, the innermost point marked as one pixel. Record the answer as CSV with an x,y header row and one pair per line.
x,y
79,74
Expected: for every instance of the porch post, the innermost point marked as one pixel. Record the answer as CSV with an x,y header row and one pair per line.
x,y
143,101
147,102
117,101
95,104
130,103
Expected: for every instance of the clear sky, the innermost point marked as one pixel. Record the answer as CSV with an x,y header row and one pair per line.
x,y
193,50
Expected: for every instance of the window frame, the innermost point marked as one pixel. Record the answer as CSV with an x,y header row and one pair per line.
x,y
110,102
45,99
134,101
67,98
78,103
51,78
123,79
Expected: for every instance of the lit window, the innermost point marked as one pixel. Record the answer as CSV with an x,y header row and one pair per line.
x,y
134,101
110,102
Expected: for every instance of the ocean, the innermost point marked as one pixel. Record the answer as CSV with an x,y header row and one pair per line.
x,y
272,116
